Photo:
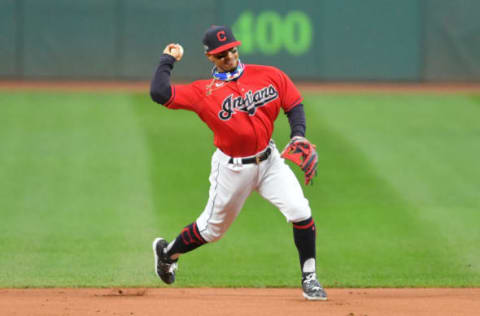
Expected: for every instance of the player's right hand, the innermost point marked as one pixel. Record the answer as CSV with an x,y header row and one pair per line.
x,y
175,50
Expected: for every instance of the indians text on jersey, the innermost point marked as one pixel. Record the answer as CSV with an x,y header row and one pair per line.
x,y
249,103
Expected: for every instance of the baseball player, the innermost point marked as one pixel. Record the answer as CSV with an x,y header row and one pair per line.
x,y
240,104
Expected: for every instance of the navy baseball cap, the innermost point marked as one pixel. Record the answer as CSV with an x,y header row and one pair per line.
x,y
218,39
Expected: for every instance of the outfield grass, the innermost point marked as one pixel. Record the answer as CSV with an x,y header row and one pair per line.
x,y
89,179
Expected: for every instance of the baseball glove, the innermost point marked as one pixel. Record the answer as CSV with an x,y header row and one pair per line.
x,y
303,153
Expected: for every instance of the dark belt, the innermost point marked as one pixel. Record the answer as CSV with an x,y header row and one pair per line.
x,y
257,159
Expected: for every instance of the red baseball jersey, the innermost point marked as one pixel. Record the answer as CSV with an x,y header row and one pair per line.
x,y
241,113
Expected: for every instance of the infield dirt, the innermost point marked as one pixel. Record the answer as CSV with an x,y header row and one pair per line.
x,y
241,301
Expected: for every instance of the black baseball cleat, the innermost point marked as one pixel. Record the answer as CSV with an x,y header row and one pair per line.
x,y
312,289
164,267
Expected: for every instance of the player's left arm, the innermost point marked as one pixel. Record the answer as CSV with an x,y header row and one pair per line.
x,y
296,119
299,150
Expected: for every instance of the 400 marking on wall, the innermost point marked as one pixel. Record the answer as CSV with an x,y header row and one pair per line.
x,y
269,32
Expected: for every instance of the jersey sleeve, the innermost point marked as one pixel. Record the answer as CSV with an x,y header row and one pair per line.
x,y
289,94
185,97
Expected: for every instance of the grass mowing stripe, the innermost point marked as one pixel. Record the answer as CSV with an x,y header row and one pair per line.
x,y
73,185
367,234
424,147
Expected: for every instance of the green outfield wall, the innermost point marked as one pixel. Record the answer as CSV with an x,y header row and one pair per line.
x,y
328,40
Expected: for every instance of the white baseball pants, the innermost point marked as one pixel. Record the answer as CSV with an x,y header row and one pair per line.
x,y
232,183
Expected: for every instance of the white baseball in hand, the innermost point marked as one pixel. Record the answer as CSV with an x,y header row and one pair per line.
x,y
177,51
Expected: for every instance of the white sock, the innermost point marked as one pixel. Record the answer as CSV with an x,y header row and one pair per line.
x,y
309,266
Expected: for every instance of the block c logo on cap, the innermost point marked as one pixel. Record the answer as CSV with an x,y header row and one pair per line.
x,y
221,36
